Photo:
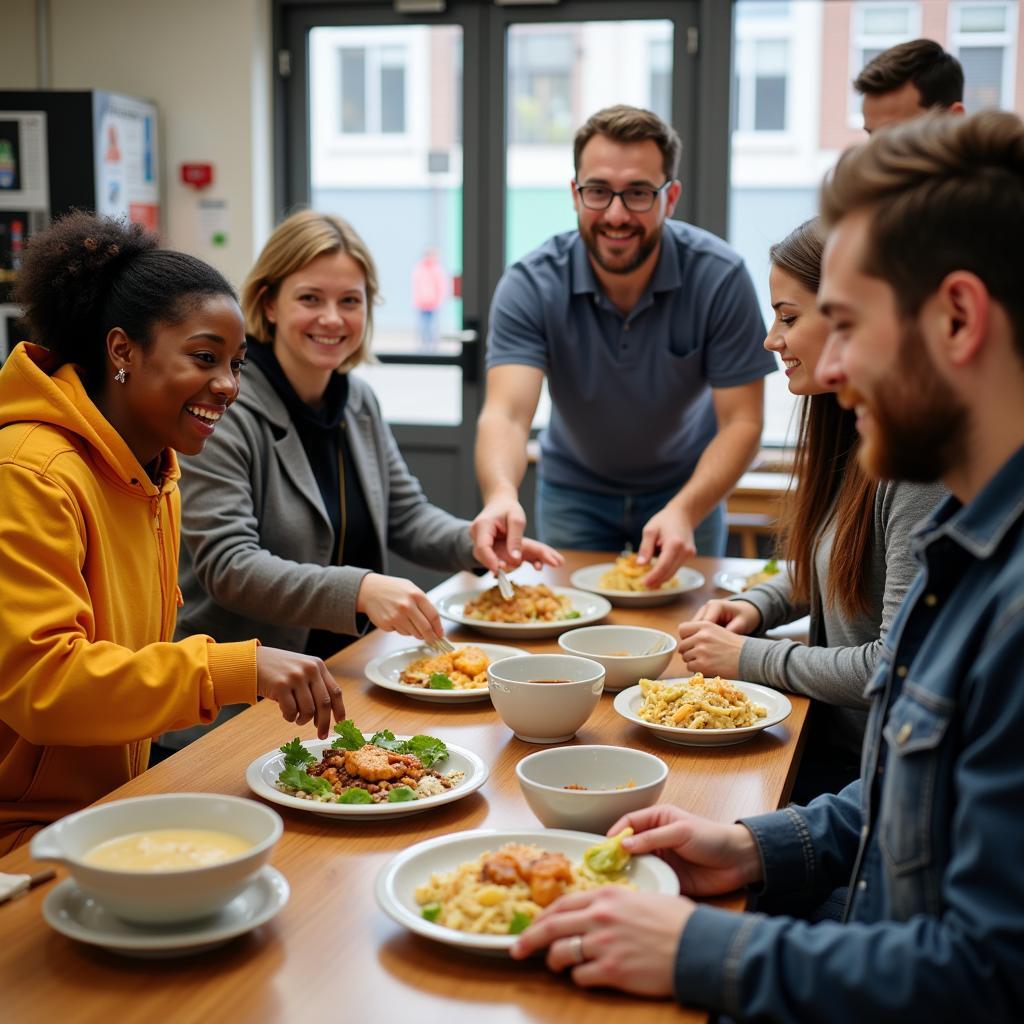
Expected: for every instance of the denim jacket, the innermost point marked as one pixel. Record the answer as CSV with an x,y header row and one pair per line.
x,y
930,839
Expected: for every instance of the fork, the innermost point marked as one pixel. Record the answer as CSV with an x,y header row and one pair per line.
x,y
505,585
442,645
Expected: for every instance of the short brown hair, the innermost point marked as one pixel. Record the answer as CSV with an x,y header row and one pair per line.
x,y
631,124
936,75
946,193
296,241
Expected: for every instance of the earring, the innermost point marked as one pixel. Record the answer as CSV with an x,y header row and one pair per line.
x,y
120,376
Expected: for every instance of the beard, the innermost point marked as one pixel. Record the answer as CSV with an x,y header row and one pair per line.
x,y
648,243
920,423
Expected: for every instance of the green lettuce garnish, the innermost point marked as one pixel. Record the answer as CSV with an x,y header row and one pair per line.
x,y
519,923
296,754
400,795
771,568
349,737
431,911
296,778
609,856
439,681
429,749
355,795
572,615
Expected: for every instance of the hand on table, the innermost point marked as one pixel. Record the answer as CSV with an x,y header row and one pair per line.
x,y
736,616
611,937
669,535
302,686
710,649
398,605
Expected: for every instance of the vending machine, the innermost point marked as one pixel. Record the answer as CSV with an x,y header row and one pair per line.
x,y
64,150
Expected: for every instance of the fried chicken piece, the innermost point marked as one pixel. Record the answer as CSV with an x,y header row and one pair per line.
x,y
501,869
470,660
375,764
549,875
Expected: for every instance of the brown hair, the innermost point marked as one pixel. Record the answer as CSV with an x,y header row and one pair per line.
x,y
827,481
622,123
936,75
946,193
296,241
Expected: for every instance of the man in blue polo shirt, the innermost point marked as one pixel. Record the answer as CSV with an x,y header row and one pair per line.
x,y
649,334
921,284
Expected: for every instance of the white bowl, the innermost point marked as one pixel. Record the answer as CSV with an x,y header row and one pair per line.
x,y
624,651
545,712
618,780
162,897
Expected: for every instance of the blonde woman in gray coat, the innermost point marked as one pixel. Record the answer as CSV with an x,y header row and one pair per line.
x,y
290,512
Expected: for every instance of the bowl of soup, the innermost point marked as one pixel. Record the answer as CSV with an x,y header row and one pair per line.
x,y
588,787
545,698
628,653
163,859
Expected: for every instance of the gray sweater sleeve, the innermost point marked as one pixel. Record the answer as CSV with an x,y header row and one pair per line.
x,y
774,600
838,673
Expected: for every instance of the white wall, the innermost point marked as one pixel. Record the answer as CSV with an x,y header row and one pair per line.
x,y
208,66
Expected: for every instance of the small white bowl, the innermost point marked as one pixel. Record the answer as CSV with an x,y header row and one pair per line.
x,y
545,712
624,651
162,897
606,772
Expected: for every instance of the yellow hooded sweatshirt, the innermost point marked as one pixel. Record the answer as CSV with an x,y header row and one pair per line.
x,y
88,599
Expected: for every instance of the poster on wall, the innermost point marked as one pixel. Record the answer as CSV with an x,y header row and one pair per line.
x,y
127,159
24,188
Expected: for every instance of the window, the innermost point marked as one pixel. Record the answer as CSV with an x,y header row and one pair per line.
x,y
875,27
982,36
372,86
761,86
660,64
540,86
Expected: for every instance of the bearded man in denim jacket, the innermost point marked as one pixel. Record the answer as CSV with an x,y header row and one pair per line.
x,y
922,284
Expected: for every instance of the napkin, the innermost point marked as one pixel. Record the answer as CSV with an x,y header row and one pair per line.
x,y
12,885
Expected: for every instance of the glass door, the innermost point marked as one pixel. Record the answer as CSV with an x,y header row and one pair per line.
x,y
446,139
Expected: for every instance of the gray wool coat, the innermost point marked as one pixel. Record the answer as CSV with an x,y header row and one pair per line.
x,y
257,541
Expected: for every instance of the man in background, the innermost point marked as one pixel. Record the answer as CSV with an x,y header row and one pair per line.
x,y
907,80
650,336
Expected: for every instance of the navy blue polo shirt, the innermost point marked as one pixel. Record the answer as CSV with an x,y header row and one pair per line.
x,y
631,395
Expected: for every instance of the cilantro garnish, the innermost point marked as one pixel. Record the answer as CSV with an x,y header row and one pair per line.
x,y
439,681
296,754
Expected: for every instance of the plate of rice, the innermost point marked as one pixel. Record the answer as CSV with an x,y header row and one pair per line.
x,y
621,582
699,712
535,610
439,678
442,880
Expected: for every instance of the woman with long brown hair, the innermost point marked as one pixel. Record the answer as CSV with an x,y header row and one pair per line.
x,y
845,539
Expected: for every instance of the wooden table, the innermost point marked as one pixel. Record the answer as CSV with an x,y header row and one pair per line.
x,y
331,954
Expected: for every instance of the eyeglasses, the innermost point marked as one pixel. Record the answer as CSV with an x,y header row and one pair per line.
x,y
636,199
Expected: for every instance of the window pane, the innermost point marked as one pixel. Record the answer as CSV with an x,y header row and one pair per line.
x,y
392,99
983,19
660,63
375,185
983,76
540,85
886,21
353,90
770,104
771,56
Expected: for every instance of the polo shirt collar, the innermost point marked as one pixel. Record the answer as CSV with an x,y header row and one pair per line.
x,y
979,527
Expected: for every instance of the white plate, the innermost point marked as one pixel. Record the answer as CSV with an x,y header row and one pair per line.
x,y
628,702
397,881
262,775
734,582
587,579
386,669
591,608
68,910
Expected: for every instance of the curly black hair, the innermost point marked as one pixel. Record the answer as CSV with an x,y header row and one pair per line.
x,y
85,275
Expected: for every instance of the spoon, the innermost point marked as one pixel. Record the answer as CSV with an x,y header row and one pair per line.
x,y
505,585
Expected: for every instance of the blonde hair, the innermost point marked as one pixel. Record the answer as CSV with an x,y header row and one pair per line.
x,y
297,241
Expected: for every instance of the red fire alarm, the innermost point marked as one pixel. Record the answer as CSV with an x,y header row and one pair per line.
x,y
197,175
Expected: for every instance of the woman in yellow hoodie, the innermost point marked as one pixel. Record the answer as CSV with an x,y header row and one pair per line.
x,y
139,355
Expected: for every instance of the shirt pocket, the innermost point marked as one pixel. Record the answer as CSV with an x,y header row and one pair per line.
x,y
914,731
